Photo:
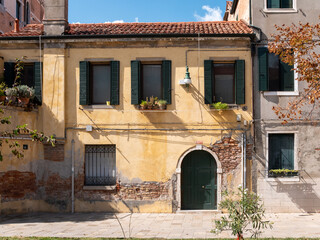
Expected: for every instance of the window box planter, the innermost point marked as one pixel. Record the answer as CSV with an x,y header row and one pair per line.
x,y
283,173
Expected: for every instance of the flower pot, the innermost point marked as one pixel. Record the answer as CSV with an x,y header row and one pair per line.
x,y
162,106
150,107
2,98
143,107
24,101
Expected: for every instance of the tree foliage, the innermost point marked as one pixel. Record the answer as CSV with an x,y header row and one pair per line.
x,y
244,209
299,46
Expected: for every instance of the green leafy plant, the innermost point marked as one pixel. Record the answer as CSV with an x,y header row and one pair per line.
x,y
220,106
282,172
25,91
2,89
162,102
143,103
11,92
244,209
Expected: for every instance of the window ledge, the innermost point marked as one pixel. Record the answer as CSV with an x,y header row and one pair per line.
x,y
281,93
280,10
230,107
90,107
113,187
283,179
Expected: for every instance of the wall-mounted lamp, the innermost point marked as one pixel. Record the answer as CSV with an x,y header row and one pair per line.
x,y
187,79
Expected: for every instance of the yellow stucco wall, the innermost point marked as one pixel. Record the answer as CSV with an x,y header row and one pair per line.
x,y
144,155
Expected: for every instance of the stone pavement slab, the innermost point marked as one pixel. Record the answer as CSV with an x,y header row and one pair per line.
x,y
179,225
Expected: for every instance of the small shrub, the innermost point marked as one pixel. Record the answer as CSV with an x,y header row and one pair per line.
x,y
25,91
244,208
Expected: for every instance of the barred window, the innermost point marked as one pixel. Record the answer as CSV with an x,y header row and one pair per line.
x,y
100,165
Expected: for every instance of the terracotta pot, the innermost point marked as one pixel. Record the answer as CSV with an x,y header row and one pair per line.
x,y
163,107
24,101
143,107
2,98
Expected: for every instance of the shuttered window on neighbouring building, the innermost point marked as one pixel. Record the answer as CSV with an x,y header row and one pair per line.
x,y
100,165
150,79
274,75
99,83
281,151
280,3
224,82
31,76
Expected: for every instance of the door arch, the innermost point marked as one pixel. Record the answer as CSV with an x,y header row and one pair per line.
x,y
205,164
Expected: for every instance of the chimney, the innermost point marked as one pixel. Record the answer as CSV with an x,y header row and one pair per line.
x,y
56,17
16,25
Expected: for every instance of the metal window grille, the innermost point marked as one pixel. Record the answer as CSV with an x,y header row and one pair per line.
x,y
100,166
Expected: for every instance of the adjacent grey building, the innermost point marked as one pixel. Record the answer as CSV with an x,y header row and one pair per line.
x,y
296,145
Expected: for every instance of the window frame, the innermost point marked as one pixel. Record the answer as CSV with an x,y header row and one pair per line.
x,y
91,64
18,10
85,166
295,155
142,63
295,91
280,10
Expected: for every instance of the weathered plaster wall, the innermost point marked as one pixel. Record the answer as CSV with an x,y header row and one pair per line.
x,y
146,160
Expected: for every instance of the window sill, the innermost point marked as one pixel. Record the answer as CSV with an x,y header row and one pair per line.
x,y
230,107
113,187
283,179
91,107
280,10
281,93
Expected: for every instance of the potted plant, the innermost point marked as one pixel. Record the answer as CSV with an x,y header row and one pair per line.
x,y
25,93
162,104
151,102
283,173
2,92
220,106
143,105
12,94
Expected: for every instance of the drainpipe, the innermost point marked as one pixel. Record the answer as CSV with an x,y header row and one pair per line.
x,y
72,171
244,158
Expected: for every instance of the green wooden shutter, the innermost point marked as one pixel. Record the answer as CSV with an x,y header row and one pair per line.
x,y
166,80
115,67
9,73
273,3
286,77
286,4
240,81
263,69
37,68
208,82
135,82
84,83
287,151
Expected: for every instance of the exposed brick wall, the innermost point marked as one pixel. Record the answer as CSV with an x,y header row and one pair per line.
x,y
229,153
16,185
55,153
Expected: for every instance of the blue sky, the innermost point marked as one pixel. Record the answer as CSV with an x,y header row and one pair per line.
x,y
100,11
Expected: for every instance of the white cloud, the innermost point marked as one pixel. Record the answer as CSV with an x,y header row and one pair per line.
x,y
136,19
212,14
115,21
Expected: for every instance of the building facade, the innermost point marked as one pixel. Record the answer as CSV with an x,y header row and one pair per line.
x,y
26,11
112,155
293,146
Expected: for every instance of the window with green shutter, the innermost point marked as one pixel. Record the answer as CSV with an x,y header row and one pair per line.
x,y
281,151
274,75
224,82
150,79
99,83
280,3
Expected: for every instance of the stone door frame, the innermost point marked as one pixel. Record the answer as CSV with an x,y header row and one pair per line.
x,y
178,173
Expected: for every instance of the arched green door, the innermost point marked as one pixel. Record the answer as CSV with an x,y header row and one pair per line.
x,y
198,181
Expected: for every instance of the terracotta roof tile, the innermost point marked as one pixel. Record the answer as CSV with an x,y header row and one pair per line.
x,y
110,29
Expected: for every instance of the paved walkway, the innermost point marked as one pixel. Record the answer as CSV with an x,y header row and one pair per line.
x,y
145,225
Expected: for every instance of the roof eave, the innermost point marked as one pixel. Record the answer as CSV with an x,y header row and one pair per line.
x,y
125,36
